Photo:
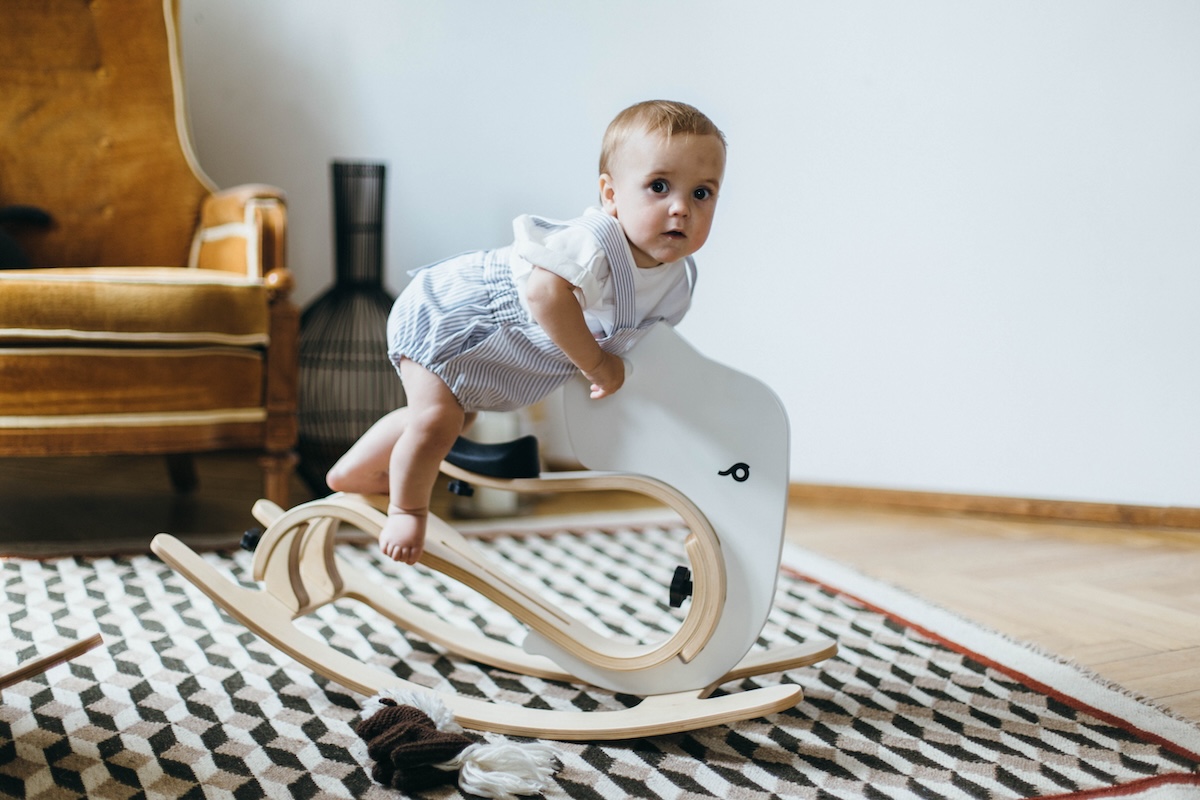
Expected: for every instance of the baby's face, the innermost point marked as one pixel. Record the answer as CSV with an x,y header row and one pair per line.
x,y
664,194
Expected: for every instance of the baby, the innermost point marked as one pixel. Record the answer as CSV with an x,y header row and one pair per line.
x,y
500,329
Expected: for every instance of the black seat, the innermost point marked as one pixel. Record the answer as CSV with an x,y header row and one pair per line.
x,y
515,459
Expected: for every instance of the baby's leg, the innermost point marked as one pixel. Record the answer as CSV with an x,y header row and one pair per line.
x,y
434,421
363,469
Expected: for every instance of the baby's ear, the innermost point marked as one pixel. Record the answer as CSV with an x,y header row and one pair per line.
x,y
608,198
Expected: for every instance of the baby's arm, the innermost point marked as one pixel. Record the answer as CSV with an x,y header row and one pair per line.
x,y
553,305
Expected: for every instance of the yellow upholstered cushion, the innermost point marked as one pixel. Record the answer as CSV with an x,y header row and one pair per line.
x,y
132,305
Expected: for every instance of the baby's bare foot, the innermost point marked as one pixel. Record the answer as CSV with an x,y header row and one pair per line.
x,y
403,536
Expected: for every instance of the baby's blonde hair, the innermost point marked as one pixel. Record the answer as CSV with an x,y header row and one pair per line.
x,y
666,117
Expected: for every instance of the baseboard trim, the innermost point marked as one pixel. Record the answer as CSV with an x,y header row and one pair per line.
x,y
1056,510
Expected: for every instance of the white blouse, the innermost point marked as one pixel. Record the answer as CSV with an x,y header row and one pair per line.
x,y
573,254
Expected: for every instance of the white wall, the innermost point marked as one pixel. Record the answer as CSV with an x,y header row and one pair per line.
x,y
960,240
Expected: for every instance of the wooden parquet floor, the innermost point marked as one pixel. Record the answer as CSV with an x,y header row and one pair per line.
x,y
1123,602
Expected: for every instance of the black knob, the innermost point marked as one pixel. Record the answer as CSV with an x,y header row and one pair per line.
x,y
681,586
251,538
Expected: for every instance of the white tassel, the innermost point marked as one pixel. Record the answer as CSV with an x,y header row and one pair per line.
x,y
503,770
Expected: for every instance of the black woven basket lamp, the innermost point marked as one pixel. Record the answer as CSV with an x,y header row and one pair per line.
x,y
346,380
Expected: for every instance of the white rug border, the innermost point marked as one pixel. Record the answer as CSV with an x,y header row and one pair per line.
x,y
1058,673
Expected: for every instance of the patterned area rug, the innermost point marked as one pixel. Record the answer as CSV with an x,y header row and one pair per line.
x,y
183,702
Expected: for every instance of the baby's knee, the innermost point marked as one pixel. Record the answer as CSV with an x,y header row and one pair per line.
x,y
344,477
439,423
336,478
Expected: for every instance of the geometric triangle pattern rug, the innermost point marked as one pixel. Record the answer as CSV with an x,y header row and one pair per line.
x,y
181,701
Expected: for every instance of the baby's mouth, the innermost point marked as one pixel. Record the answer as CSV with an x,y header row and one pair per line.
x,y
675,234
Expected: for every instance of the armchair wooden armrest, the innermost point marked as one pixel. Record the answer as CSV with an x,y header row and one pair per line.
x,y
242,230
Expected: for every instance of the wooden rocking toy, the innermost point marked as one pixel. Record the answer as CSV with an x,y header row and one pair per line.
x,y
709,442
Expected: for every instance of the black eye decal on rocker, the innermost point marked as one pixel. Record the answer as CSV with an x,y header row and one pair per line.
x,y
739,471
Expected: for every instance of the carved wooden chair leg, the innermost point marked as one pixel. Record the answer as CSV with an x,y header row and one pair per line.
x,y
181,468
277,471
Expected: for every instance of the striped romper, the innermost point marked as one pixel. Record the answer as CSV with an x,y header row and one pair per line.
x,y
462,319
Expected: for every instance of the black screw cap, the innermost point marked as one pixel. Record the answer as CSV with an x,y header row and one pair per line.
x,y
681,586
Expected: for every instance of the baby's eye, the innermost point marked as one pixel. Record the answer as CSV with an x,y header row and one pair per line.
x,y
702,193
658,186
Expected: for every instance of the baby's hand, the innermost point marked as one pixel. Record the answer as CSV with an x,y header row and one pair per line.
x,y
607,377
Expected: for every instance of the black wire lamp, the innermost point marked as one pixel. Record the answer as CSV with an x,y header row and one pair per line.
x,y
346,380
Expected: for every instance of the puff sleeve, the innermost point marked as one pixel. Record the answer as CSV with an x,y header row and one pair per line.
x,y
569,251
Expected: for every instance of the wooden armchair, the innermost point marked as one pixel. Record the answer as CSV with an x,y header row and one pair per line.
x,y
155,318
